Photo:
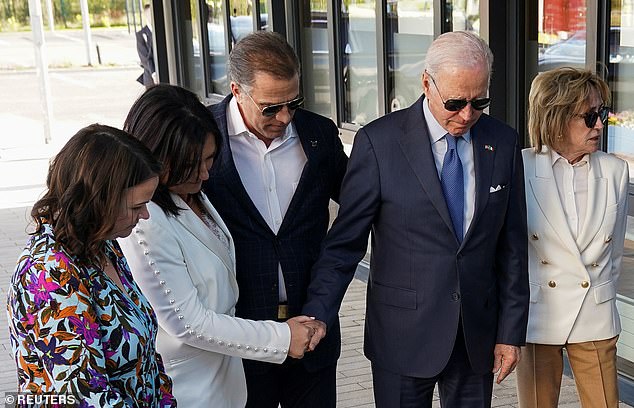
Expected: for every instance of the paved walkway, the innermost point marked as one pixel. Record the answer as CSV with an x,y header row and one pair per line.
x,y
354,380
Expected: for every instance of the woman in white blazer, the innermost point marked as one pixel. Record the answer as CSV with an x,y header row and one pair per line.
x,y
182,258
576,200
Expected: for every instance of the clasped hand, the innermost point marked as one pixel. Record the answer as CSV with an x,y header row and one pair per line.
x,y
306,333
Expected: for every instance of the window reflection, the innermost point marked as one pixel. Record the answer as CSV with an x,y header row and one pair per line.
x,y
241,18
410,28
621,77
358,43
191,46
217,47
316,77
561,34
465,15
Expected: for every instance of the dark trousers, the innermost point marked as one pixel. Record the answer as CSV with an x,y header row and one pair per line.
x,y
458,385
292,386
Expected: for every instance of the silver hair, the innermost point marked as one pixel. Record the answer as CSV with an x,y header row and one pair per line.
x,y
458,49
261,52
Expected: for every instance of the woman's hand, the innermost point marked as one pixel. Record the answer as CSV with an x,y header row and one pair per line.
x,y
300,335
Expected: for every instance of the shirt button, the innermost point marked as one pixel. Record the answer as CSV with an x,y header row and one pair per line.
x,y
455,296
585,284
608,240
543,262
552,284
594,264
534,237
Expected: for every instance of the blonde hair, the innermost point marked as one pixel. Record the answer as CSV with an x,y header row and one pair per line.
x,y
556,96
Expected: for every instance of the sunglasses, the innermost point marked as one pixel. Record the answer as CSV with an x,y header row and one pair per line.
x,y
274,109
591,117
455,105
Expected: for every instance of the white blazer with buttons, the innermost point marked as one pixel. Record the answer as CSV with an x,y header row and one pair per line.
x,y
188,275
573,282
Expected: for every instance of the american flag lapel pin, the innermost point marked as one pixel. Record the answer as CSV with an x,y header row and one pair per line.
x,y
488,147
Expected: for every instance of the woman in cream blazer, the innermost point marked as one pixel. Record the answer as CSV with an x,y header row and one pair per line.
x,y
183,260
576,201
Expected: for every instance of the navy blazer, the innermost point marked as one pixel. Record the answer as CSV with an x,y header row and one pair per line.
x,y
422,280
296,245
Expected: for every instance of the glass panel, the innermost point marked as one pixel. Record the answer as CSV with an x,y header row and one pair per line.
x,y
241,18
217,48
465,15
191,46
561,34
621,78
621,143
358,43
264,20
315,57
410,31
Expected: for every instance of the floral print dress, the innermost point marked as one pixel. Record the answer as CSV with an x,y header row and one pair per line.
x,y
73,330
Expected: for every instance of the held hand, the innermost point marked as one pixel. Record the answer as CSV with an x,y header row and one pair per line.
x,y
505,358
320,333
300,335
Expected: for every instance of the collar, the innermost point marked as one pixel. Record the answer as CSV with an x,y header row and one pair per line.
x,y
436,131
237,127
555,157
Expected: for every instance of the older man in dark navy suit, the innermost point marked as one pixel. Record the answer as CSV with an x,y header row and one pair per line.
x,y
277,169
440,185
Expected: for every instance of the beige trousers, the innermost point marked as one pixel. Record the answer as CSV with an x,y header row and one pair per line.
x,y
593,366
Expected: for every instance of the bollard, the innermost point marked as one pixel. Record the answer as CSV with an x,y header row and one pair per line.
x,y
98,55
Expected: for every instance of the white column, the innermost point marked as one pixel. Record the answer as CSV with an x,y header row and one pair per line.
x,y
41,63
85,19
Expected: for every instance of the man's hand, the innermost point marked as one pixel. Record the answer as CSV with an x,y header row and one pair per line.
x,y
505,358
320,332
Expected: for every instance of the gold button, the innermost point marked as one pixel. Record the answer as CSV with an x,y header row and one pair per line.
x,y
608,240
544,262
552,284
585,284
594,264
534,237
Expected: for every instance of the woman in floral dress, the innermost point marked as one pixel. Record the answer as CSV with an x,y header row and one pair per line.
x,y
79,325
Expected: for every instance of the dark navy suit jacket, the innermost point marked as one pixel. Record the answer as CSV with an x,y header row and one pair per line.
x,y
421,279
296,245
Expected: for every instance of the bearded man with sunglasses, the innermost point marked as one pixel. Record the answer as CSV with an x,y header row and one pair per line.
x,y
277,168
576,199
440,186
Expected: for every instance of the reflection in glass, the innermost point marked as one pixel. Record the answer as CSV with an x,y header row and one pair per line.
x,y
621,143
191,46
358,43
410,30
465,15
315,58
241,19
264,23
217,48
621,78
561,34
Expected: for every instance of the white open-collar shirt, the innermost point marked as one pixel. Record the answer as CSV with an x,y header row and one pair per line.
x,y
269,174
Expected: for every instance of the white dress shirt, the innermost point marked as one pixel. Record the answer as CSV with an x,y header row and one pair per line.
x,y
269,174
465,151
572,185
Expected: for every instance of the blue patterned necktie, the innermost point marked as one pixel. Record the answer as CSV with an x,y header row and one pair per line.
x,y
453,184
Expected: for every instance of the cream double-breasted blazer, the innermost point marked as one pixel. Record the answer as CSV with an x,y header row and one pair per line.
x,y
188,275
573,281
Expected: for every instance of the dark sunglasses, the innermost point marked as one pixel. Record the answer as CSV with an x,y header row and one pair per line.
x,y
454,105
591,117
272,110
